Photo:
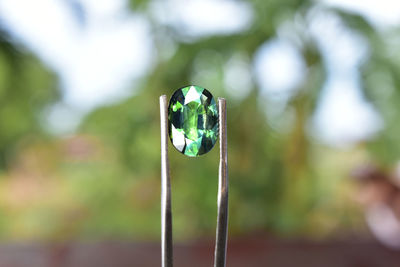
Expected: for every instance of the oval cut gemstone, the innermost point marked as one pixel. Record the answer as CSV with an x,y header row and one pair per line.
x,y
193,120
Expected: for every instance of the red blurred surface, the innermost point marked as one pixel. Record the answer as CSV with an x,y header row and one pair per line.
x,y
240,253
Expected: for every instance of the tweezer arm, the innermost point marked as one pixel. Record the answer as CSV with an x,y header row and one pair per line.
x,y
166,213
222,219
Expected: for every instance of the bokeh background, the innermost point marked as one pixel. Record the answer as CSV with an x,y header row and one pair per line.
x,y
313,93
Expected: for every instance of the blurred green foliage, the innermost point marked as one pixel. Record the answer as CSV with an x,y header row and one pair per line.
x,y
105,181
26,87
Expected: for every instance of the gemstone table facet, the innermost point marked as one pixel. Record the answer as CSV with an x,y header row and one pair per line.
x,y
193,120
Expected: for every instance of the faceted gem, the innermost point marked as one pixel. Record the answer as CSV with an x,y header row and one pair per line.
x,y
193,120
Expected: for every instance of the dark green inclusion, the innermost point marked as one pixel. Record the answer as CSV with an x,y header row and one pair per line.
x,y
193,120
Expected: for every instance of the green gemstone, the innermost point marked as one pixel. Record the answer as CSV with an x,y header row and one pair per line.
x,y
193,120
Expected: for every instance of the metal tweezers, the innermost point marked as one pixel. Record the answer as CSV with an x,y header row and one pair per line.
x,y
166,212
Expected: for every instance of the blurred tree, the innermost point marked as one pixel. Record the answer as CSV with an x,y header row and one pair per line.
x,y
281,181
26,88
273,184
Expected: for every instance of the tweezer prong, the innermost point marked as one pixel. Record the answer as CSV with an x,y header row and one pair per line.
x,y
222,217
166,212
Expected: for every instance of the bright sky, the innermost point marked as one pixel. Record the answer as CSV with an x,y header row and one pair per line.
x,y
94,62
381,13
343,117
99,62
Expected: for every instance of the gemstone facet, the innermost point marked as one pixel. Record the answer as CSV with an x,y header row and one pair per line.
x,y
193,120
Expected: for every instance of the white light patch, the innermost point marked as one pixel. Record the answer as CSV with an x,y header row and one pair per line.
x,y
382,13
61,119
279,67
107,61
343,49
203,17
238,77
178,139
97,61
192,95
343,117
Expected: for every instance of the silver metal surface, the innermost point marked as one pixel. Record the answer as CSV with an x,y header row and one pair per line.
x,y
166,212
222,217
